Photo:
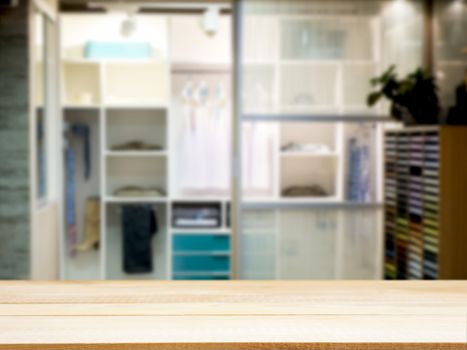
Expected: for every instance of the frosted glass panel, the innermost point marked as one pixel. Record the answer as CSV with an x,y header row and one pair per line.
x,y
328,38
259,159
318,57
402,35
259,92
258,244
450,48
451,25
308,87
308,244
360,244
356,87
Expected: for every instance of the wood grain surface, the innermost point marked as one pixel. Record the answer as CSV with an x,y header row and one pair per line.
x,y
233,315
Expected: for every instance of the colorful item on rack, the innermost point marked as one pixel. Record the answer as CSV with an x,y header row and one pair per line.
x,y
358,187
83,131
411,210
139,225
41,158
70,200
92,218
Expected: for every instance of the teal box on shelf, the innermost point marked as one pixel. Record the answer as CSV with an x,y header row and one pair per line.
x,y
117,50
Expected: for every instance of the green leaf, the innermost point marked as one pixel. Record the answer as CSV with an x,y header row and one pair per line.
x,y
373,98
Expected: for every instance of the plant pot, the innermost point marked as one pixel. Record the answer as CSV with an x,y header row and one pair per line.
x,y
402,114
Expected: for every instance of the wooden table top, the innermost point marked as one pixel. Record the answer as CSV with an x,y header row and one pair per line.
x,y
233,315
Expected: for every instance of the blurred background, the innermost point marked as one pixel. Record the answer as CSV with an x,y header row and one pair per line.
x,y
224,140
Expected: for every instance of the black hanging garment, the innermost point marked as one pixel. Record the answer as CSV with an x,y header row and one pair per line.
x,y
139,226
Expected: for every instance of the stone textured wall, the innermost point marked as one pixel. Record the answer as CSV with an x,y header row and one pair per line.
x,y
14,143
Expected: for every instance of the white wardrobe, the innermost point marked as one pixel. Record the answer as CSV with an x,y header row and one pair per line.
x,y
311,200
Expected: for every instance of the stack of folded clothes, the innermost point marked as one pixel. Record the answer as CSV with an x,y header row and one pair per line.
x,y
316,148
136,191
136,146
304,191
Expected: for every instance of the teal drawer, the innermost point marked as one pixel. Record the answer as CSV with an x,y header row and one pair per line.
x,y
201,242
181,277
200,263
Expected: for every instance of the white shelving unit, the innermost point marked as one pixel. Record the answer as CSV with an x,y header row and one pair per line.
x,y
125,101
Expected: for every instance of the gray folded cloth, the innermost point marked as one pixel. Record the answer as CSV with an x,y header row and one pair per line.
x,y
304,191
136,146
136,191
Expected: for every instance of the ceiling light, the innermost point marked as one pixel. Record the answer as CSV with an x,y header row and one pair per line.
x,y
458,5
210,21
129,26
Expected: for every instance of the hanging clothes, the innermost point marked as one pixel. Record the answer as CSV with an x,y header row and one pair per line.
x,y
83,131
203,151
72,233
139,223
258,162
220,134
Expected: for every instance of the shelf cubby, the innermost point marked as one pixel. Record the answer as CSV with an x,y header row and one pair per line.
x,y
145,125
114,244
136,171
82,83
136,83
323,134
306,171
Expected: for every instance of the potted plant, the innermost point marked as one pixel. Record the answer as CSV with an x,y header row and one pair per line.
x,y
414,99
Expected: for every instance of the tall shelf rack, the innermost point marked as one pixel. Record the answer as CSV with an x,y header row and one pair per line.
x,y
124,100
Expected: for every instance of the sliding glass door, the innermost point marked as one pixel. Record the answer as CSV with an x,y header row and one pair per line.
x,y
310,169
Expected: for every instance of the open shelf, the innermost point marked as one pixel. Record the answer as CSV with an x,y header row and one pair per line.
x,y
136,154
122,200
300,172
91,107
114,245
136,83
82,84
305,154
142,125
319,137
136,171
